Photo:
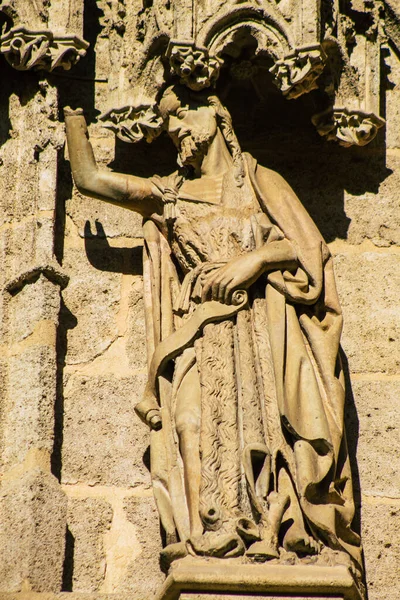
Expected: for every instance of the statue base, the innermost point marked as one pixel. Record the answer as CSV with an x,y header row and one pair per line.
x,y
199,579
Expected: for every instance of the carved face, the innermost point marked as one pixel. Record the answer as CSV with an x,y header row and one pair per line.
x,y
191,125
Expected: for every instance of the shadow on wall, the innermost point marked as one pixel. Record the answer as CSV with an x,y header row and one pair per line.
x,y
64,192
67,321
78,89
280,135
9,79
352,427
102,256
68,570
143,159
25,88
352,434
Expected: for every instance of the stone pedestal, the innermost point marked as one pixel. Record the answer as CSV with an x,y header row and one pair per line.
x,y
194,579
211,596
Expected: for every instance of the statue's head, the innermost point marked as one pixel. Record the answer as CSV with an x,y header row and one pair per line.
x,y
192,120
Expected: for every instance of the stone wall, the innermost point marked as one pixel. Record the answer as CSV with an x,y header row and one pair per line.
x,y
74,456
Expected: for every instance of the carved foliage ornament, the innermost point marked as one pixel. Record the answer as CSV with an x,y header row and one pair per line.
x,y
134,123
41,50
193,65
297,73
348,127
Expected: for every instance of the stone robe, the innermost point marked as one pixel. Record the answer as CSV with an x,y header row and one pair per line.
x,y
272,390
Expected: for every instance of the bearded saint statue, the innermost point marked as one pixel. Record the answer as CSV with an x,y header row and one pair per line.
x,y
245,396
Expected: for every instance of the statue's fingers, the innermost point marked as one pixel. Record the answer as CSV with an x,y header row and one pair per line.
x,y
215,290
211,285
228,293
221,291
206,289
230,288
204,293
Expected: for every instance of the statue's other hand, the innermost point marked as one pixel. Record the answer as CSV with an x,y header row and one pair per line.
x,y
239,272
154,420
71,112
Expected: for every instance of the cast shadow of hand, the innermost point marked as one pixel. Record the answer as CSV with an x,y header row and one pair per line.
x,y
104,257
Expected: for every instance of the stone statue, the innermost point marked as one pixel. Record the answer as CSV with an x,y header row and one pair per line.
x,y
245,396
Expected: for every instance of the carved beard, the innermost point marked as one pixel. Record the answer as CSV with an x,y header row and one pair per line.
x,y
193,146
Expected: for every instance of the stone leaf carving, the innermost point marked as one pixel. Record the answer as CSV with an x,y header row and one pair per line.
x,y
297,73
193,65
26,49
132,124
348,127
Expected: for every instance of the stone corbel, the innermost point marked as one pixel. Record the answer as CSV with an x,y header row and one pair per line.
x,y
51,271
25,49
193,65
132,124
348,127
297,73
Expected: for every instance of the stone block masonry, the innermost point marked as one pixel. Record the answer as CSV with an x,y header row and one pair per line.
x,y
77,516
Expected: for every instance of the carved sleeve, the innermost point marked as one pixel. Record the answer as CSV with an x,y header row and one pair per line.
x,y
135,193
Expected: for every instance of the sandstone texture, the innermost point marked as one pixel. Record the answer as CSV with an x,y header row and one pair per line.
x,y
249,597
77,516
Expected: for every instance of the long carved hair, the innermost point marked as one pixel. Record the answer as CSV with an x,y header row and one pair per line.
x,y
224,120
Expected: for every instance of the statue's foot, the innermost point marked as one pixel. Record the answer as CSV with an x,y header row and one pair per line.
x,y
219,545
263,550
301,543
170,553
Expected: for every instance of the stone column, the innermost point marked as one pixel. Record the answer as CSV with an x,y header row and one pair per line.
x,y
33,507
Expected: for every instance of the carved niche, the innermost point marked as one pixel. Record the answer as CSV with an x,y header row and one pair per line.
x,y
312,48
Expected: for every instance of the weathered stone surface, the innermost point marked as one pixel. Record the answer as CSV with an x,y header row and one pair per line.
x,y
32,532
380,522
104,441
3,397
88,520
211,596
86,212
374,215
29,419
352,194
144,576
35,302
92,298
115,221
136,331
368,286
66,596
23,244
374,430
392,100
191,579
